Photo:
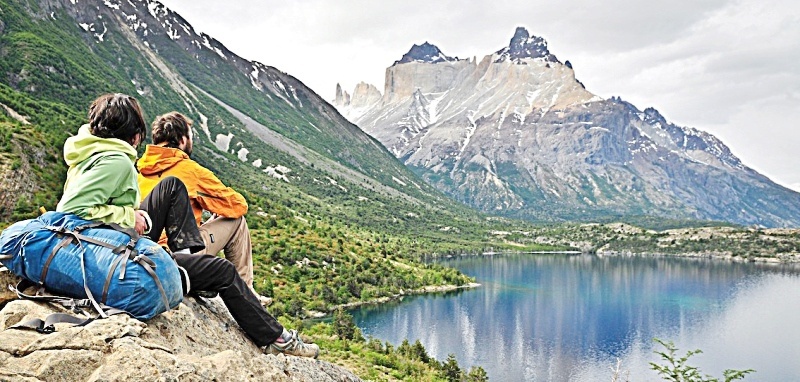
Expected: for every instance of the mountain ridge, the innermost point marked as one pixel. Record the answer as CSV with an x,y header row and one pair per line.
x,y
517,134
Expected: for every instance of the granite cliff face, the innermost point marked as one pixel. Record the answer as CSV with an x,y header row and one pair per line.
x,y
198,341
517,134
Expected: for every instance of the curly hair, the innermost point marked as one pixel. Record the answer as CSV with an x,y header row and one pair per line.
x,y
169,129
117,116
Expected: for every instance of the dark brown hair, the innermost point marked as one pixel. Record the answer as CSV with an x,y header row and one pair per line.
x,y
169,129
117,116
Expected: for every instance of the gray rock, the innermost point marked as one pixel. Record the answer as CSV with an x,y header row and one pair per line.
x,y
198,341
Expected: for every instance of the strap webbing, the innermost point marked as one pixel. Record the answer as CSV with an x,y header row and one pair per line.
x,y
48,325
67,302
63,243
73,304
152,273
111,270
86,285
116,227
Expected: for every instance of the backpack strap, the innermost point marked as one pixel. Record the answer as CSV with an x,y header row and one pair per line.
x,y
148,266
73,304
110,274
63,243
47,325
116,227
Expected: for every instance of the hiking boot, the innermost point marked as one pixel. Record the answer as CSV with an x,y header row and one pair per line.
x,y
295,346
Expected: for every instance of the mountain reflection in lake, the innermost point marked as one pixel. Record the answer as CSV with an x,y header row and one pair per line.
x,y
569,318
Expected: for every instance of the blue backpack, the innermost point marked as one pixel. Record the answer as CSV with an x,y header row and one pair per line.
x,y
101,263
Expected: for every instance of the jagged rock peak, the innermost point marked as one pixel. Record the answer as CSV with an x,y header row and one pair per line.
x,y
342,97
425,53
652,113
523,45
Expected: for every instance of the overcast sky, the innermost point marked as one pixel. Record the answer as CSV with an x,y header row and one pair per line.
x,y
728,67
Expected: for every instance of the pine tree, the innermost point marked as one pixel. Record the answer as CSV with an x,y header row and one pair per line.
x,y
450,370
343,324
477,374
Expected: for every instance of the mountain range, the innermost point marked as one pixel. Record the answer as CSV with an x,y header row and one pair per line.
x,y
517,134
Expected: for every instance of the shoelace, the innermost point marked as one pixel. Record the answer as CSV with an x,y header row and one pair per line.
x,y
294,342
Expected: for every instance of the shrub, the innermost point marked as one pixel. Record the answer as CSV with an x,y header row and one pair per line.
x,y
676,369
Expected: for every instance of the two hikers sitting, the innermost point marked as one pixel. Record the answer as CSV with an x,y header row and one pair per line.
x,y
102,185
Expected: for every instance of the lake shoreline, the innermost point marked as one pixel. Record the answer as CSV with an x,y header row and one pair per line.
x,y
782,258
789,258
382,300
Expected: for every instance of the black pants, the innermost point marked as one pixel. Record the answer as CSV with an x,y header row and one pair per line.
x,y
169,208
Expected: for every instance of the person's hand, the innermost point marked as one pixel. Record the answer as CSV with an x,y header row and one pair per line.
x,y
141,222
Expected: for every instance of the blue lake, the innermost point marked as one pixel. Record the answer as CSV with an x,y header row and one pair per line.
x,y
571,318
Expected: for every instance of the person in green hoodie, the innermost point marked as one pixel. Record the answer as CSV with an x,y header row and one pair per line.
x,y
101,180
102,185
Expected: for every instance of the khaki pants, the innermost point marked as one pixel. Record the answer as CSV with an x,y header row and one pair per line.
x,y
233,237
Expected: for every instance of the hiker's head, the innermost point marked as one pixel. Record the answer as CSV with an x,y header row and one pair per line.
x,y
117,116
173,130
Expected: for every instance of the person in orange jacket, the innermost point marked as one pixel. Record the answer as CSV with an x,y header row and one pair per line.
x,y
169,155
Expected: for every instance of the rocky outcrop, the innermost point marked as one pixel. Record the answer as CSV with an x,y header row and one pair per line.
x,y
198,341
426,52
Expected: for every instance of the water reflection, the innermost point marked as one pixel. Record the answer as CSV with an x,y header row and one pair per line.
x,y
567,318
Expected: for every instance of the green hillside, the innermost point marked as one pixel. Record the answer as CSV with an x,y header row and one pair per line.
x,y
343,199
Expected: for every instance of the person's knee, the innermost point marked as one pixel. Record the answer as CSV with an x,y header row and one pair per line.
x,y
224,267
243,224
173,183
208,272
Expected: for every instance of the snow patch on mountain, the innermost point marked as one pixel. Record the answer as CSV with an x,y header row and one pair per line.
x,y
111,4
242,153
278,172
223,142
335,183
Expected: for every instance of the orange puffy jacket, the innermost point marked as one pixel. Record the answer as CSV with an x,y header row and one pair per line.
x,y
206,191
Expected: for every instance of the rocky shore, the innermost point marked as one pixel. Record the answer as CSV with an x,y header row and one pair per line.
x,y
423,290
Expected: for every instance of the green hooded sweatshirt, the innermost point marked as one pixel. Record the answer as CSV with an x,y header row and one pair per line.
x,y
101,179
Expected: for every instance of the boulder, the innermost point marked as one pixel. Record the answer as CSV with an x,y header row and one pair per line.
x,y
197,341
7,278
